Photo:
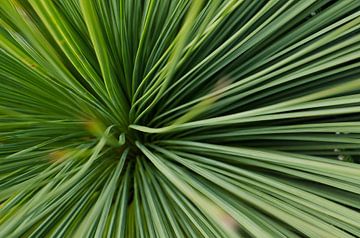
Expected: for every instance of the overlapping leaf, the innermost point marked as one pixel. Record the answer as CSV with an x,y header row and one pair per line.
x,y
179,118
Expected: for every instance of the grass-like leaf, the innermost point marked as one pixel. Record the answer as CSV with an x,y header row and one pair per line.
x,y
132,118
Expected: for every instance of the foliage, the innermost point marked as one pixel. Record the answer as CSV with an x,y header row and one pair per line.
x,y
133,118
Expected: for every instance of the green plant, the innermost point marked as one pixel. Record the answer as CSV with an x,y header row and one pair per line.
x,y
134,118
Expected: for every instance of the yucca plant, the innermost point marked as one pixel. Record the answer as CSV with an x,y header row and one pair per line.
x,y
159,118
